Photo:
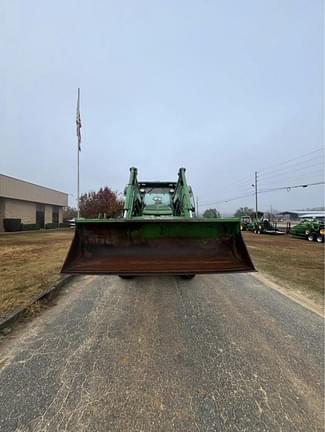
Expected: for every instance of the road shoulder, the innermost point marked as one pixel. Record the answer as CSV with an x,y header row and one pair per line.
x,y
292,294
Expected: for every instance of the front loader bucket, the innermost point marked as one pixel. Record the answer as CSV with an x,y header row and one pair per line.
x,y
157,247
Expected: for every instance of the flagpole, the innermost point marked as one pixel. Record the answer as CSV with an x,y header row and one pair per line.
x,y
78,124
78,176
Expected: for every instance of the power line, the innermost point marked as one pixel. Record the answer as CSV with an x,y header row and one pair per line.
x,y
286,169
239,181
236,192
288,188
284,177
283,171
227,200
244,189
292,181
280,171
316,167
270,167
276,172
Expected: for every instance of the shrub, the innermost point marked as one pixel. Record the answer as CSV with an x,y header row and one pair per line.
x,y
11,224
65,224
30,227
51,225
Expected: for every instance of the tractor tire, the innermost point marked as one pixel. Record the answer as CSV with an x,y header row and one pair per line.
x,y
126,276
320,238
310,237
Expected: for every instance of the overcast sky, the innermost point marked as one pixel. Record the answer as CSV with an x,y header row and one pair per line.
x,y
222,88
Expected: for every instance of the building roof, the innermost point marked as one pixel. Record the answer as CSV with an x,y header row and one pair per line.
x,y
303,212
11,187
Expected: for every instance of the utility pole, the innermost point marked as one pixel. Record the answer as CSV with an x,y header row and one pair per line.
x,y
256,208
197,206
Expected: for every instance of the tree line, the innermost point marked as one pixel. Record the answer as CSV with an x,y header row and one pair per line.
x,y
242,211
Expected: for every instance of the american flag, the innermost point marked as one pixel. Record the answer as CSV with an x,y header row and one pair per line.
x,y
78,121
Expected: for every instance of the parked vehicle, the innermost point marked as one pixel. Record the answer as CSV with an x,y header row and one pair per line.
x,y
262,226
311,230
71,222
244,222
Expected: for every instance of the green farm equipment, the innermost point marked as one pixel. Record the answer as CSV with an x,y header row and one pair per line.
x,y
312,230
157,234
263,226
245,221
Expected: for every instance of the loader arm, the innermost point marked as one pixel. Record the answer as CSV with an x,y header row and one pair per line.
x,y
133,202
182,199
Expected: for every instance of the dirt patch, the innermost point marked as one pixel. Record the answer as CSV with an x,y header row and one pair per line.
x,y
295,264
30,262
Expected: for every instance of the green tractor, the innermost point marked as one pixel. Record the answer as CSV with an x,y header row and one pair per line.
x,y
158,234
245,221
311,230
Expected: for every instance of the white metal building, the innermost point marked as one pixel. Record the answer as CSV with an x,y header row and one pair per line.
x,y
298,214
33,204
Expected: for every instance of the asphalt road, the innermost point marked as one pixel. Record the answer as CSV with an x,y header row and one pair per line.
x,y
217,353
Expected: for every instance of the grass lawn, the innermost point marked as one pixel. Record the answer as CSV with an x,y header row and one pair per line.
x,y
291,262
29,263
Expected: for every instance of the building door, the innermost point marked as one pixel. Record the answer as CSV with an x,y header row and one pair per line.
x,y
55,215
40,215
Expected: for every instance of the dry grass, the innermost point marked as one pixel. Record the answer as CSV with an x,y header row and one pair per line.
x,y
292,263
29,263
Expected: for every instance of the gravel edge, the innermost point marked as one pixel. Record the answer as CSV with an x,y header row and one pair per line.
x,y
48,294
